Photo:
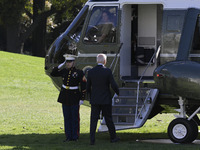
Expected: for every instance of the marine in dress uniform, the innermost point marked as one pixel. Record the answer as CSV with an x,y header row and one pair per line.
x,y
99,80
70,95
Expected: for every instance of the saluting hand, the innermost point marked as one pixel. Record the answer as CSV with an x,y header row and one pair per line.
x,y
61,65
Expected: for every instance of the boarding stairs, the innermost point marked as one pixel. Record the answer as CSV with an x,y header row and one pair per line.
x,y
131,108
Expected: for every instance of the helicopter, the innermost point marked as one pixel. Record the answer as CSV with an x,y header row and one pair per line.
x,y
153,50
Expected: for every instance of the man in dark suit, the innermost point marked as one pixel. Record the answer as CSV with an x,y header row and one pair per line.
x,y
98,86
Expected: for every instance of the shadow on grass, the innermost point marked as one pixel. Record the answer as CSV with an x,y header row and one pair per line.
x,y
55,141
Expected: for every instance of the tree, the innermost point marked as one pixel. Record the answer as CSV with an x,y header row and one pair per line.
x,y
19,29
10,16
38,48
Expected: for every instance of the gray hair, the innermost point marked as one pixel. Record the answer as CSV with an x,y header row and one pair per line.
x,y
101,58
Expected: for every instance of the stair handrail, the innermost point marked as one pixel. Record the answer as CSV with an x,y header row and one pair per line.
x,y
116,56
156,53
142,106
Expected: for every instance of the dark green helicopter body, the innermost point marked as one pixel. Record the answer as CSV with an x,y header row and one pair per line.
x,y
153,45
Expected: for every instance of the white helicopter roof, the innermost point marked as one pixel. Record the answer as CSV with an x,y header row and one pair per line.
x,y
167,4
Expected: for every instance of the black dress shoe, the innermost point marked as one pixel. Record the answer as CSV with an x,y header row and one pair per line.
x,y
91,142
115,140
67,140
75,140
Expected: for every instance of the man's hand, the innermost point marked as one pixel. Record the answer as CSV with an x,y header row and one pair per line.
x,y
61,65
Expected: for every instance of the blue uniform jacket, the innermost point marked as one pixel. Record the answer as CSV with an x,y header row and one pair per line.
x,y
71,77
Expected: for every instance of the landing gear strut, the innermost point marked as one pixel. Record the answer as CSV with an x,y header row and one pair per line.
x,y
181,129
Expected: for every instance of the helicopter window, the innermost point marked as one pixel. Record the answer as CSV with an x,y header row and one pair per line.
x,y
195,50
196,39
76,29
102,25
71,36
173,23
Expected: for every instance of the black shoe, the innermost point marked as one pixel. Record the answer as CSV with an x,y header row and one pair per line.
x,y
75,140
92,142
117,139
67,140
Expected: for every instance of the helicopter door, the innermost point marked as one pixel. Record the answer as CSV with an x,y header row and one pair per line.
x,y
140,34
139,37
147,35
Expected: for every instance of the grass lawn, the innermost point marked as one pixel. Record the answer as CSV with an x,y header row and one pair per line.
x,y
31,119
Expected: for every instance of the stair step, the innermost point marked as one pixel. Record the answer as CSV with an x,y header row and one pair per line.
x,y
129,97
114,106
127,88
130,102
133,91
120,123
114,114
124,118
124,123
143,88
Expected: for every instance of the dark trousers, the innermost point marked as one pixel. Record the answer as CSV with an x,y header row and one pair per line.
x,y
107,113
71,121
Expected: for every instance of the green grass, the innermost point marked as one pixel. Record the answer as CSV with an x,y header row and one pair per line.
x,y
31,118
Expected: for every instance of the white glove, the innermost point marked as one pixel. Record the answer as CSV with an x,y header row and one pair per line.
x,y
81,102
61,65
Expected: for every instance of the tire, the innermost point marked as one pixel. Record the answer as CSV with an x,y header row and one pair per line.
x,y
195,130
181,130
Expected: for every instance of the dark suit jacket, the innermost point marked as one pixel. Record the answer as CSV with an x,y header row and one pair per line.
x,y
98,85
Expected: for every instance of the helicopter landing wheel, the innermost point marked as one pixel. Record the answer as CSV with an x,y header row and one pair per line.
x,y
181,130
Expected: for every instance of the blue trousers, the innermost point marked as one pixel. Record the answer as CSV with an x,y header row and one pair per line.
x,y
71,121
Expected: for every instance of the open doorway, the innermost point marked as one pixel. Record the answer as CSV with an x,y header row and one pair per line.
x,y
141,35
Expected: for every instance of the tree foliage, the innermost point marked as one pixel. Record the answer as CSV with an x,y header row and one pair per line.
x,y
11,11
20,13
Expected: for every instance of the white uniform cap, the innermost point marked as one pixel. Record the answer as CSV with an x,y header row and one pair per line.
x,y
69,57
